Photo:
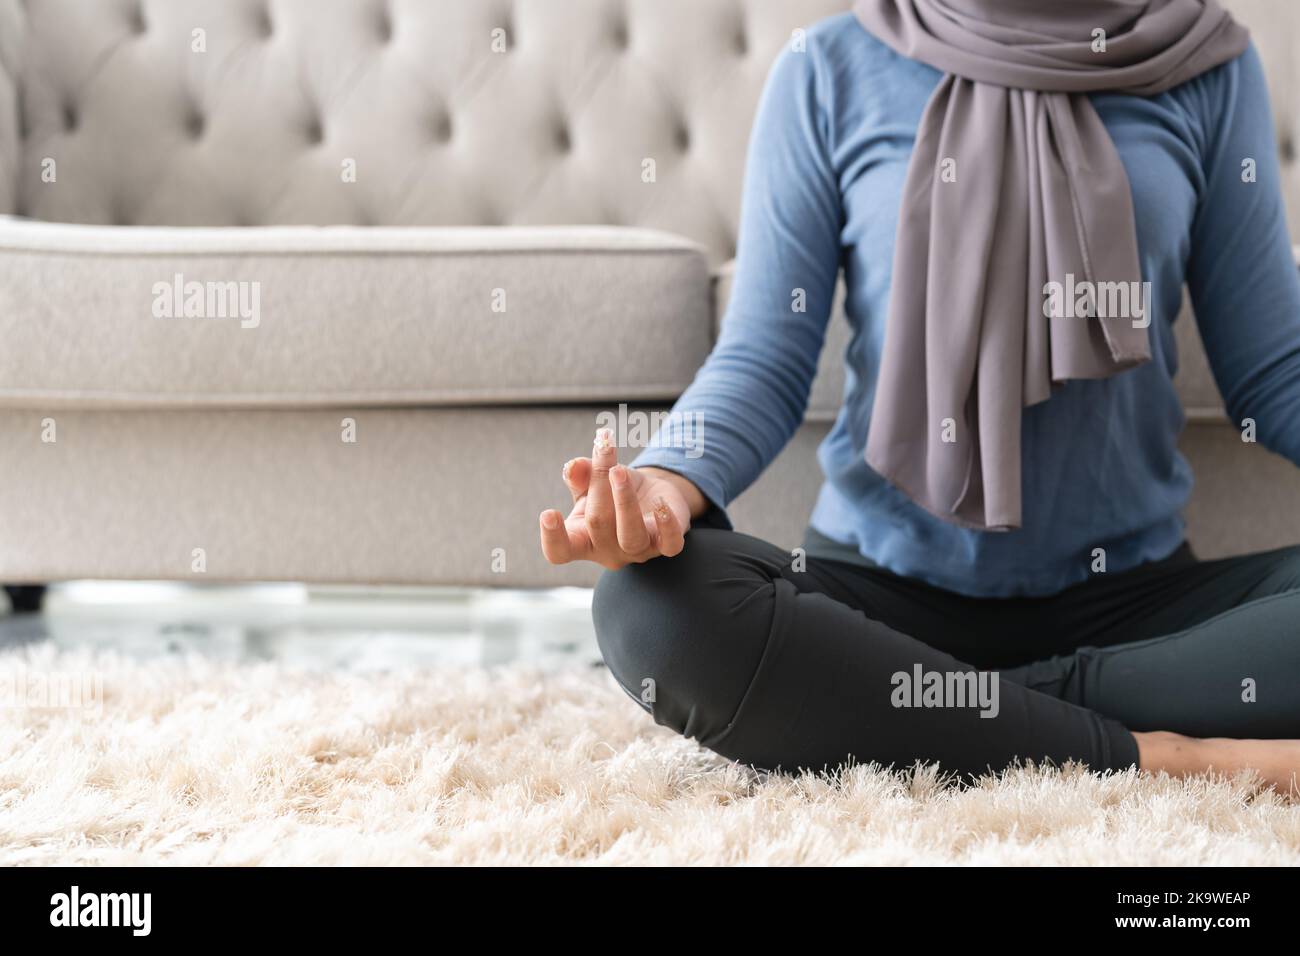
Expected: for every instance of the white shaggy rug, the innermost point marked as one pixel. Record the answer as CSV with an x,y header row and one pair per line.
x,y
197,762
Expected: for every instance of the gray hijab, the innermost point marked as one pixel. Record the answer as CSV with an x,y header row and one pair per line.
x,y
1014,183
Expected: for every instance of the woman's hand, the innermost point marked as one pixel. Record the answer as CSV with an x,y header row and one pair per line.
x,y
620,515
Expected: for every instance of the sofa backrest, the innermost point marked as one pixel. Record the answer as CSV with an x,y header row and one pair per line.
x,y
450,112
261,117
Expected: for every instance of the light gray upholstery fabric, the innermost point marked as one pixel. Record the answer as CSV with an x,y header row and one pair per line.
x,y
444,130
1275,30
553,127
423,496
347,315
11,34
1245,498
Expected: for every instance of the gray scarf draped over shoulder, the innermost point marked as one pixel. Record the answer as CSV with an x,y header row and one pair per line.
x,y
1013,184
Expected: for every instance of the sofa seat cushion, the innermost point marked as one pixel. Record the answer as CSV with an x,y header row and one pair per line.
x,y
125,317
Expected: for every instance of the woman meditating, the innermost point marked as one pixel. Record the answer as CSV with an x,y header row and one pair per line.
x,y
995,570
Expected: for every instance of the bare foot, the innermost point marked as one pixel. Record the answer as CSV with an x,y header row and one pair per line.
x,y
1277,762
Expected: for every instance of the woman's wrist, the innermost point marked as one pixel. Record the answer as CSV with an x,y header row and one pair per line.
x,y
695,500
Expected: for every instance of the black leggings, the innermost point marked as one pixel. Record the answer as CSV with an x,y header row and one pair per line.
x,y
791,669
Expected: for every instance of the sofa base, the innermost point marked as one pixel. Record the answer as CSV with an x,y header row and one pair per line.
x,y
421,496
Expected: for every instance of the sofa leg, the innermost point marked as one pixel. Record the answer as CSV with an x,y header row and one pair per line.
x,y
26,598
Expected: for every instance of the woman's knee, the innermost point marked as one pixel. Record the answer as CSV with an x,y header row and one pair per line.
x,y
684,635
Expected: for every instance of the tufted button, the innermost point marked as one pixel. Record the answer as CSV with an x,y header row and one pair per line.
x,y
195,125
315,132
442,127
563,140
384,26
138,23
619,36
264,25
682,137
741,41
70,118
1287,149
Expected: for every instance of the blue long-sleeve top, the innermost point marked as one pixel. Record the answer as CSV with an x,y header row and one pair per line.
x,y
1101,468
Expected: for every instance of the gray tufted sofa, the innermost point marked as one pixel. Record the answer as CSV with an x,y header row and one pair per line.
x,y
432,240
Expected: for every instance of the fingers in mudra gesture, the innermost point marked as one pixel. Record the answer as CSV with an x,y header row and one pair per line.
x,y
620,515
